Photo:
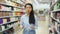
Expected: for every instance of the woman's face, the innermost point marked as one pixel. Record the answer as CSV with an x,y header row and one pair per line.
x,y
28,9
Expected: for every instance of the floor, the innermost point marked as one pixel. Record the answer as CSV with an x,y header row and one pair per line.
x,y
42,27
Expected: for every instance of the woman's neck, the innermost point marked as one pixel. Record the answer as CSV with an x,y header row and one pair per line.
x,y
28,14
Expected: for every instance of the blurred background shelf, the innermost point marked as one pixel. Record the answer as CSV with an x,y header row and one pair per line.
x,y
9,22
6,29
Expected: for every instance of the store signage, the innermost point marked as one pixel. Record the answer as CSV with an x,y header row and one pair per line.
x,y
3,8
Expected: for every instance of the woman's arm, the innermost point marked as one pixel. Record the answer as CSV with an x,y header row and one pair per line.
x,y
21,23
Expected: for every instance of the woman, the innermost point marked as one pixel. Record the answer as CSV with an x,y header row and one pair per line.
x,y
29,21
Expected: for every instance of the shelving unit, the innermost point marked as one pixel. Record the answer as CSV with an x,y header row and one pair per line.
x,y
55,20
5,29
10,6
9,23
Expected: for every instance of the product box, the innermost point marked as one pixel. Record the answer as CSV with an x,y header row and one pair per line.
x,y
8,19
1,20
7,13
5,20
12,19
3,28
3,14
0,14
2,1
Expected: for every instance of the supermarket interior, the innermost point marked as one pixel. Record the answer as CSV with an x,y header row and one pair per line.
x,y
47,12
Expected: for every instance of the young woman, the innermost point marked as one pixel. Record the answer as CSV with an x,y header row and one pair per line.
x,y
29,21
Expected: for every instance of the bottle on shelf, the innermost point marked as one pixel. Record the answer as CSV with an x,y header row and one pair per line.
x,y
4,20
1,20
8,19
12,19
0,14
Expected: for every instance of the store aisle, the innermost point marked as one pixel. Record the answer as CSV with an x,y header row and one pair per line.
x,y
42,28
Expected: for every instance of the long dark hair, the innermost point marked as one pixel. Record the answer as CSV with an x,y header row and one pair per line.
x,y
31,16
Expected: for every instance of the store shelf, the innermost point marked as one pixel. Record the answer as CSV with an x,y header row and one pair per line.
x,y
22,1
9,22
54,4
9,27
56,10
5,11
9,16
17,2
4,4
6,29
57,31
13,20
55,20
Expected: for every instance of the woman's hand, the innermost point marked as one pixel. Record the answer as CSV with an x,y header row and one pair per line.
x,y
32,26
22,27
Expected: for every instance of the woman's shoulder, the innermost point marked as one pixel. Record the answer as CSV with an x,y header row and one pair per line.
x,y
23,16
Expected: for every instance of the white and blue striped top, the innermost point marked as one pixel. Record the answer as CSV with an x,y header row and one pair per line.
x,y
25,22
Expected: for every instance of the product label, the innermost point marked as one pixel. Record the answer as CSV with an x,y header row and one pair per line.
x,y
3,8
